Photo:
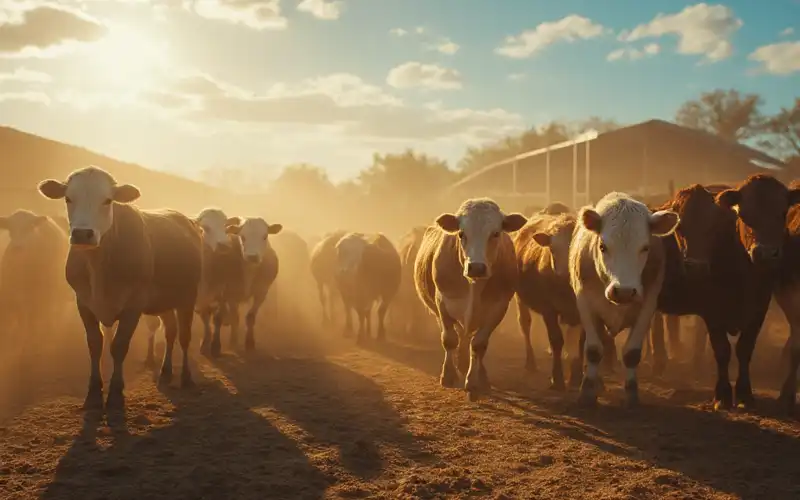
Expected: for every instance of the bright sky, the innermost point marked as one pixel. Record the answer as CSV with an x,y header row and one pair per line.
x,y
183,85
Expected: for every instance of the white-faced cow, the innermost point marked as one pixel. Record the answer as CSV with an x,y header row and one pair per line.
x,y
367,271
616,265
249,277
124,262
466,274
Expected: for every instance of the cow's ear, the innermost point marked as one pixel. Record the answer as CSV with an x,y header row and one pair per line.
x,y
591,220
543,239
449,223
52,189
233,221
126,193
275,228
663,222
233,229
729,198
513,222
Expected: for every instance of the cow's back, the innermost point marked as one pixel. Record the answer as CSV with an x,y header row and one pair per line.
x,y
381,267
423,267
323,257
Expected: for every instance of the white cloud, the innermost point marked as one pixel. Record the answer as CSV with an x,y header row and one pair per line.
x,y
634,54
517,77
779,58
33,97
787,32
322,9
419,30
415,74
445,46
567,29
256,14
398,32
25,76
701,29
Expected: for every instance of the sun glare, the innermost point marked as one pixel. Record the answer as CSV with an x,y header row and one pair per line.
x,y
129,60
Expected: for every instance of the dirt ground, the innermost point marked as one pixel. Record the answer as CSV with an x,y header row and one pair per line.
x,y
312,416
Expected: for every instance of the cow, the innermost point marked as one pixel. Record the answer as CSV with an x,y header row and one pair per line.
x,y
367,271
787,295
735,240
32,272
124,262
542,252
616,267
293,283
219,257
554,208
250,277
323,268
466,274
407,309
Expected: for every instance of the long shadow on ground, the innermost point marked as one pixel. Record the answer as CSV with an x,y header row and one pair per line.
x,y
209,445
334,406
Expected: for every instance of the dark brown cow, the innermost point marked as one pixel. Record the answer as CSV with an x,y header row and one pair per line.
x,y
368,271
407,309
251,270
323,268
124,262
743,252
787,296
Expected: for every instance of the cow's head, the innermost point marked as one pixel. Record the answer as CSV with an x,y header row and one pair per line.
x,y
214,223
254,233
478,224
21,225
557,237
702,220
761,203
90,193
349,251
623,229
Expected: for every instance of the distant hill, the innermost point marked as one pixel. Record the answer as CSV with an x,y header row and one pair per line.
x,y
26,159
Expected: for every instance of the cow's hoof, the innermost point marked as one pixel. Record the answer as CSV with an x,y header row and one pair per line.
x,y
557,384
94,400
115,401
788,403
187,382
165,378
473,395
448,380
722,404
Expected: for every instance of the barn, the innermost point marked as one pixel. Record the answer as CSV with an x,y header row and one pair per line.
x,y
645,159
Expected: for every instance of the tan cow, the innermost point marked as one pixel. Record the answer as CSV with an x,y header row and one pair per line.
x,y
323,268
33,294
124,262
616,266
407,311
466,274
367,271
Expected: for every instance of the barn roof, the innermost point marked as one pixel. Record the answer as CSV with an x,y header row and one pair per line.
x,y
654,130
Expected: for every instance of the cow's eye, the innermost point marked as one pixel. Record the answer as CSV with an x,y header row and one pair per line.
x,y
603,247
107,202
495,234
645,248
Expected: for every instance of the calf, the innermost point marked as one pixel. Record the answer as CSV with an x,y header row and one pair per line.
x,y
616,266
323,268
253,271
368,271
32,287
124,262
466,274
407,309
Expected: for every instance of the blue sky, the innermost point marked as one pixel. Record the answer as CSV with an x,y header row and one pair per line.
x,y
271,82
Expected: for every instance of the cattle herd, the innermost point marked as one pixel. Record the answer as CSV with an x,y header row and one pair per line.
x,y
720,253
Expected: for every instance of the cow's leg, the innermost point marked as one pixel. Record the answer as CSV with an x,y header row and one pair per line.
x,y
348,316
723,392
556,338
524,321
450,343
576,356
205,316
170,335
477,378
788,300
657,343
672,324
128,321
383,308
593,351
216,336
94,339
700,338
610,357
362,325
150,359
233,312
632,351
326,320
250,320
185,316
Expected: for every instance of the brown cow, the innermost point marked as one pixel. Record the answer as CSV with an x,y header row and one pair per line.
x,y
407,309
293,283
251,270
466,274
323,268
616,266
367,271
124,262
787,296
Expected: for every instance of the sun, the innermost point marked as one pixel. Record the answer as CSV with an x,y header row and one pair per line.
x,y
128,60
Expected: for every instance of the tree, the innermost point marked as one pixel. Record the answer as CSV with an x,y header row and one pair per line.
x,y
406,174
304,181
724,113
784,131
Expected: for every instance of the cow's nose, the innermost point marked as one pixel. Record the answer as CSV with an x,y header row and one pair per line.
x,y
620,294
82,237
476,270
